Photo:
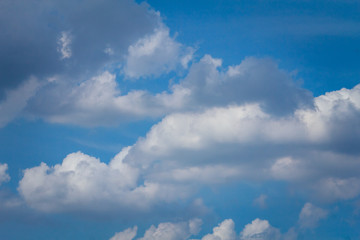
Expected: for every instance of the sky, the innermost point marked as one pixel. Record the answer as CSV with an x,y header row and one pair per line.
x,y
179,120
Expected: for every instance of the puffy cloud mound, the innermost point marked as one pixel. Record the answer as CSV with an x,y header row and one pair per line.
x,y
217,145
16,100
127,234
257,229
260,229
225,231
164,231
83,183
155,54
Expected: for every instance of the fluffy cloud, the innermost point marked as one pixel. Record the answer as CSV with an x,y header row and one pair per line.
x,y
257,229
190,149
83,183
310,215
155,54
260,229
225,231
116,25
127,234
98,101
204,87
164,231
4,177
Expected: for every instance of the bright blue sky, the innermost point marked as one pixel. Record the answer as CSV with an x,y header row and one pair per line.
x,y
185,115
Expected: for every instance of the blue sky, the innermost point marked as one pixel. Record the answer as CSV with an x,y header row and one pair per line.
x,y
178,120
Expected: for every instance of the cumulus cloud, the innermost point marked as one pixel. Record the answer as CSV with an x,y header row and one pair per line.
x,y
84,183
164,231
260,229
4,177
127,234
257,229
187,150
205,86
155,54
99,101
310,215
225,231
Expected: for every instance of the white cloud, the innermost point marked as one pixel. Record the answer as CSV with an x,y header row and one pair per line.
x,y
16,100
187,150
155,54
81,182
225,231
98,100
310,215
260,229
64,43
334,188
173,231
4,177
127,234
164,231
257,229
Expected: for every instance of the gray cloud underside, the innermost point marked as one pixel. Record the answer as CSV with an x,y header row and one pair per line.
x,y
32,36
99,100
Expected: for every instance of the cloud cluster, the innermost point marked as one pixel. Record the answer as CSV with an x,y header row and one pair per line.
x,y
83,183
257,229
64,41
99,100
45,39
217,145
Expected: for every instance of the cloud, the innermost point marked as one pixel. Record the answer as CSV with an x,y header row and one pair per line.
x,y
81,182
260,229
225,231
127,234
310,215
4,177
155,54
195,148
164,231
16,100
257,229
99,100
37,32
